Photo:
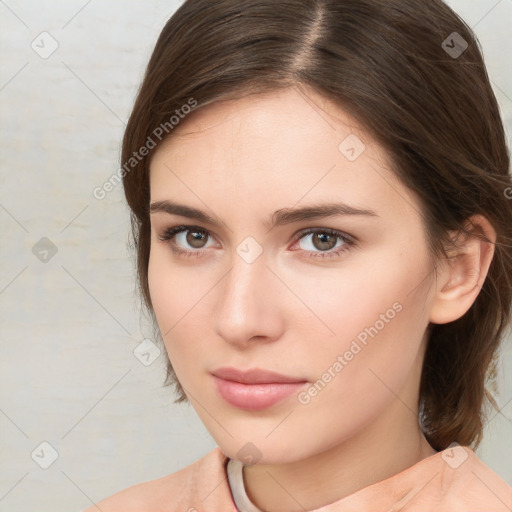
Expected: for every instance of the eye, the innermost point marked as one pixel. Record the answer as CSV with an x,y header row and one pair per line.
x,y
183,236
319,243
324,243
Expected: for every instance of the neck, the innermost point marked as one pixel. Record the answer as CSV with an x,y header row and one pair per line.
x,y
389,445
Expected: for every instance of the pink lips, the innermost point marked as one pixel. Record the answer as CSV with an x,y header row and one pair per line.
x,y
254,389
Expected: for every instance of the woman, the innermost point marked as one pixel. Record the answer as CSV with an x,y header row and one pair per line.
x,y
319,204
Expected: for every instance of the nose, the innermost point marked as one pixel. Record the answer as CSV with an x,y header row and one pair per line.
x,y
249,309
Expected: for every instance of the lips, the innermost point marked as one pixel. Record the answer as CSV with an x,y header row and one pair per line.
x,y
253,376
254,389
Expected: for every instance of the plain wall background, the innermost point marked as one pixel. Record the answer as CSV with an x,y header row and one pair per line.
x,y
68,375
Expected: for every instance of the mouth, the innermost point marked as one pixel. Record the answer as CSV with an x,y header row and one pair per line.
x,y
254,389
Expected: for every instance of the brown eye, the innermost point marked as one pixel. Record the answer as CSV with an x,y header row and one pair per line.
x,y
196,238
187,240
324,241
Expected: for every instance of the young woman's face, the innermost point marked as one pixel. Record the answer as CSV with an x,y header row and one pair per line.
x,y
262,278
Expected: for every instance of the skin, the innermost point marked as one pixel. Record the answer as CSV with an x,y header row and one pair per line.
x,y
291,312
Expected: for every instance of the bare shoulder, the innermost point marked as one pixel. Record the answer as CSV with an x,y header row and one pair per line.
x,y
177,491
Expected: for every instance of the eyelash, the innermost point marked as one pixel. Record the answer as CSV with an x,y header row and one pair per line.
x,y
349,241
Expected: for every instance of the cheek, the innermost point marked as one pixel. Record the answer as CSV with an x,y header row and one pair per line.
x,y
357,376
371,319
354,302
180,300
168,295
163,290
175,290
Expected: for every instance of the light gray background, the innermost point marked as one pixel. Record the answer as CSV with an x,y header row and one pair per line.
x,y
69,326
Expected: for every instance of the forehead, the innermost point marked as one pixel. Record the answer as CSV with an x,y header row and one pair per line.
x,y
275,149
275,116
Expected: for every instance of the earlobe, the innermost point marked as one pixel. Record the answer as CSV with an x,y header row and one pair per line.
x,y
461,275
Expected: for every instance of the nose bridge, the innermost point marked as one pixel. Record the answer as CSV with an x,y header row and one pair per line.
x,y
242,287
247,306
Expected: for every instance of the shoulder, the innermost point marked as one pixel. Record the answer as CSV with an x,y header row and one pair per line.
x,y
202,486
467,483
482,486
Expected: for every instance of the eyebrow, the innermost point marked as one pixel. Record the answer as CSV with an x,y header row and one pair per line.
x,y
279,218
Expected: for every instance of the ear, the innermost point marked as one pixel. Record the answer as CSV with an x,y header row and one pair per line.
x,y
461,275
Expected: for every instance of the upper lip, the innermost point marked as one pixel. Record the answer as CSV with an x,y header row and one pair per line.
x,y
253,376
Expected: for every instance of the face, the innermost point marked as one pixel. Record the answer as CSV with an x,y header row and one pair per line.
x,y
283,244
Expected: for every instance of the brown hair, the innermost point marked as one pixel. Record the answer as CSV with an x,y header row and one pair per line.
x,y
398,68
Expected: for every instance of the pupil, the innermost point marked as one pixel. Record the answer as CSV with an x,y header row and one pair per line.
x,y
324,240
195,238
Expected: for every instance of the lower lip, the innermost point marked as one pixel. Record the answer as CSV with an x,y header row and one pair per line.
x,y
255,397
